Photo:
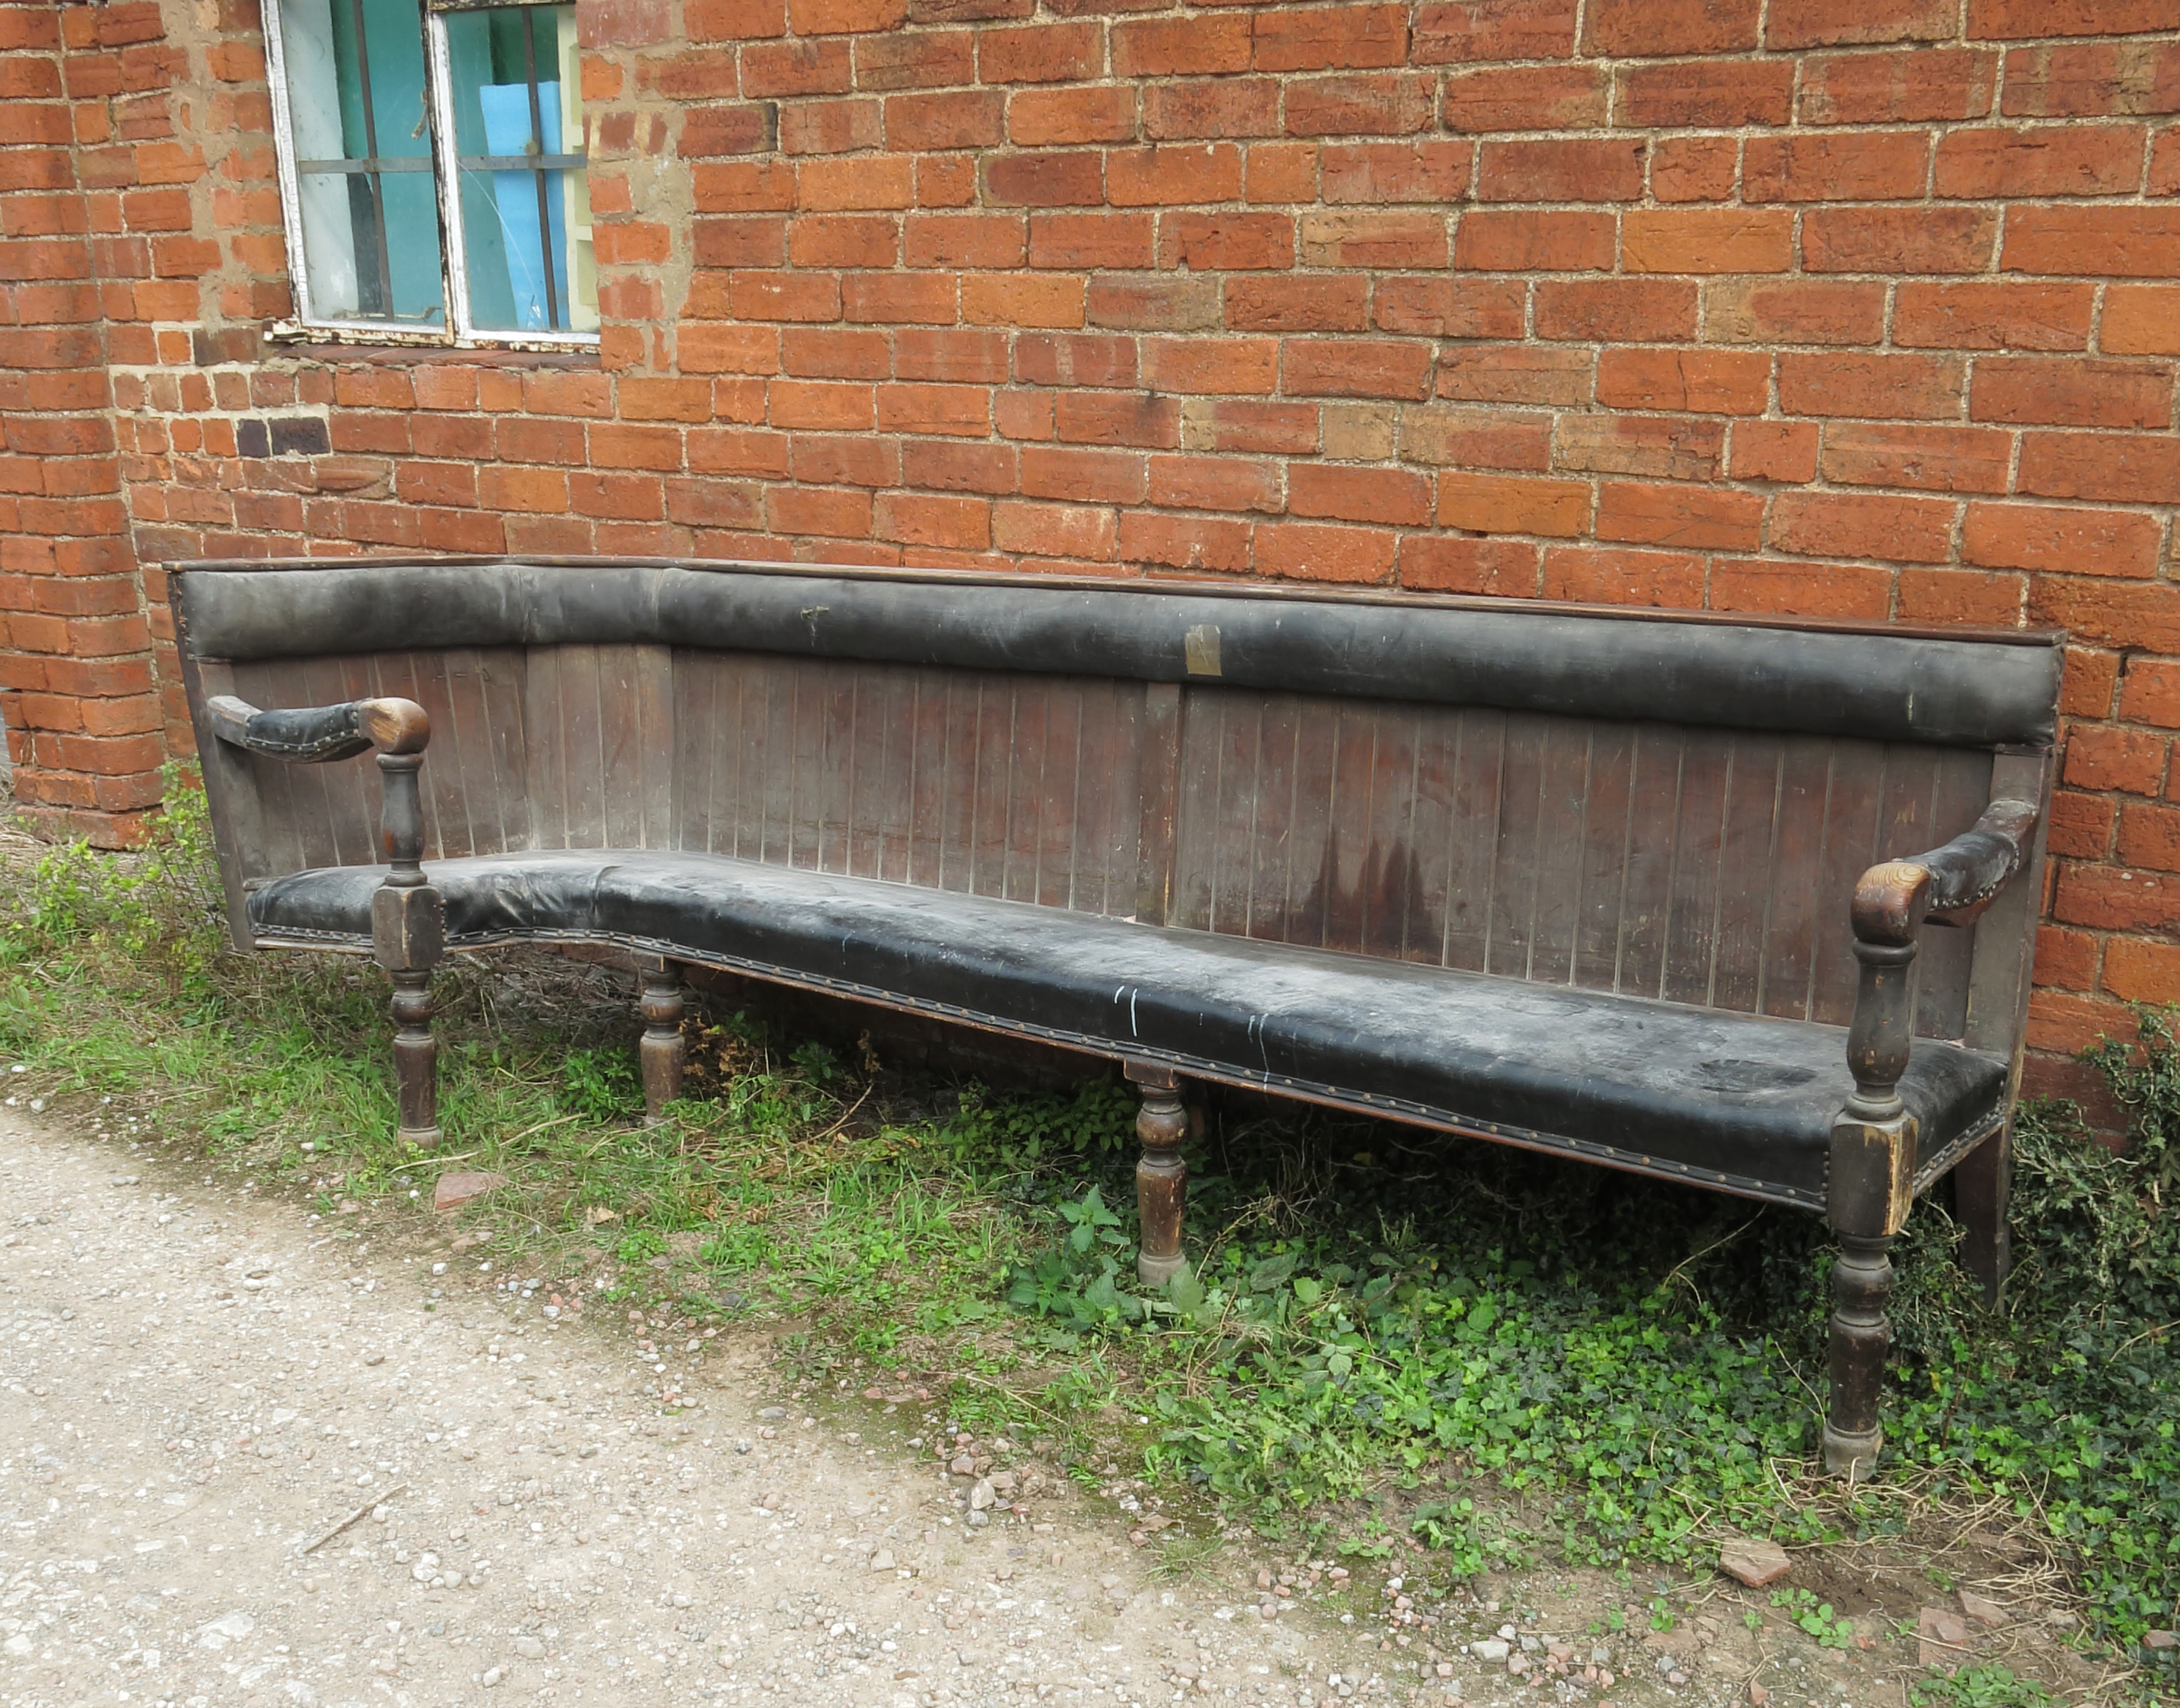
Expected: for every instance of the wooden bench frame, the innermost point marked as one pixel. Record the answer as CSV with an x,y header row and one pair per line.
x,y
1988,872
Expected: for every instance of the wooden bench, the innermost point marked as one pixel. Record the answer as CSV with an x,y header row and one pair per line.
x,y
1641,888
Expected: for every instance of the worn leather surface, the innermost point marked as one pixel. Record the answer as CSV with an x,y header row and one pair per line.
x,y
1537,657
1725,1099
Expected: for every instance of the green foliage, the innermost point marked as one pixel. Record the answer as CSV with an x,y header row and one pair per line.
x,y
602,1085
1023,1134
1831,1631
1980,1687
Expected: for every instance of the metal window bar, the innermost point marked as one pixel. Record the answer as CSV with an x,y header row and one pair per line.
x,y
373,166
537,147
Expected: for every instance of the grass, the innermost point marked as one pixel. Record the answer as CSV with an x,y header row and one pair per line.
x,y
1389,1341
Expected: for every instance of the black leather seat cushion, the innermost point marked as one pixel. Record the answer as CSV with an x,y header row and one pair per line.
x,y
1725,1099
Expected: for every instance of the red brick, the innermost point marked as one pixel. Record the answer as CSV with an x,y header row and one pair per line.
x,y
1384,172
1359,104
1650,310
1516,374
2072,392
2116,468
1039,53
1317,551
1706,94
1193,366
1679,448
1226,242
839,240
1846,591
744,186
1829,23
1342,367
930,59
2150,693
1013,300
868,182
1502,568
1038,117
1899,239
2044,161
1200,544
797,68
1301,305
1211,107
895,299
1054,531
1091,240
1044,180
2138,971
2050,539
2071,1024
1476,439
2149,838
2144,614
1217,484
971,240
1173,174
1951,597
1281,172
1838,165
2081,826
919,518
2141,320
830,127
1693,168
1922,388
1500,505
1374,241
1199,46
1616,27
845,16
2164,164
1117,418
1509,240
1153,303
1526,98
2002,18
1093,476
2113,242
961,410
1928,459
1345,492
1705,240
1794,311
1466,308
1773,450
2127,761
2093,80
1994,316
1277,428
960,118
1916,87
1561,169
824,512
959,468
1591,577
1461,31
1857,525
1705,381
1690,517
1331,38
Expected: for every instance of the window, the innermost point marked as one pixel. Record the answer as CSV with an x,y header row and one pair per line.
x,y
432,172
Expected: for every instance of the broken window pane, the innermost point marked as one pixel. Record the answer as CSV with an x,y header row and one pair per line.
x,y
525,206
366,196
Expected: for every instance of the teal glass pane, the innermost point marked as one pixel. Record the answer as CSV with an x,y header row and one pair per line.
x,y
363,154
525,226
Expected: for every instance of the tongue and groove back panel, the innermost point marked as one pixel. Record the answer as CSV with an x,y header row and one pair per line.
x,y
1700,865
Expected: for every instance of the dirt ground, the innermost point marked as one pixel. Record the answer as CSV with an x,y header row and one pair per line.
x,y
245,1461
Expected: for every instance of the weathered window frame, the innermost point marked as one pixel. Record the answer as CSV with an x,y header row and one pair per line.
x,y
459,330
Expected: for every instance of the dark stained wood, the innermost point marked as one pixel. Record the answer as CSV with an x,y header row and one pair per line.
x,y
1157,876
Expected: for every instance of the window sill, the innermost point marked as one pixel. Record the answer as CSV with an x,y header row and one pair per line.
x,y
286,338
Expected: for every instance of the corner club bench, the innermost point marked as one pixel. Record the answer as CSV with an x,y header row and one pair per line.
x,y
1643,889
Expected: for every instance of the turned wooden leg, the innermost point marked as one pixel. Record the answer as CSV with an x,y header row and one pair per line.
x,y
1862,1281
1983,1187
1161,1177
662,1051
416,1058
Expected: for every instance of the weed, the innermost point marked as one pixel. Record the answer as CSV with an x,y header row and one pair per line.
x,y
1815,1617
1980,1687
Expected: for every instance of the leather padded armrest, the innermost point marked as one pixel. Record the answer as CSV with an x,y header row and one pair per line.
x,y
311,735
1949,885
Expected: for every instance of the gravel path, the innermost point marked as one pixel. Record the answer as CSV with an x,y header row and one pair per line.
x,y
197,1386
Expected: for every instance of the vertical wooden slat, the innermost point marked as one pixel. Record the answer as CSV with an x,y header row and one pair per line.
x,y
1851,834
1653,814
1022,832
1562,810
1699,854
1165,740
1607,825
1347,847
1796,876
1430,832
1388,864
1743,911
1514,858
1480,766
1265,844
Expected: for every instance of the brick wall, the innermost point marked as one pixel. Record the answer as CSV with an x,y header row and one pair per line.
x,y
1861,308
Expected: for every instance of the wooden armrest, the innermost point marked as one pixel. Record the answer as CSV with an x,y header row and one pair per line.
x,y
1949,885
312,735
